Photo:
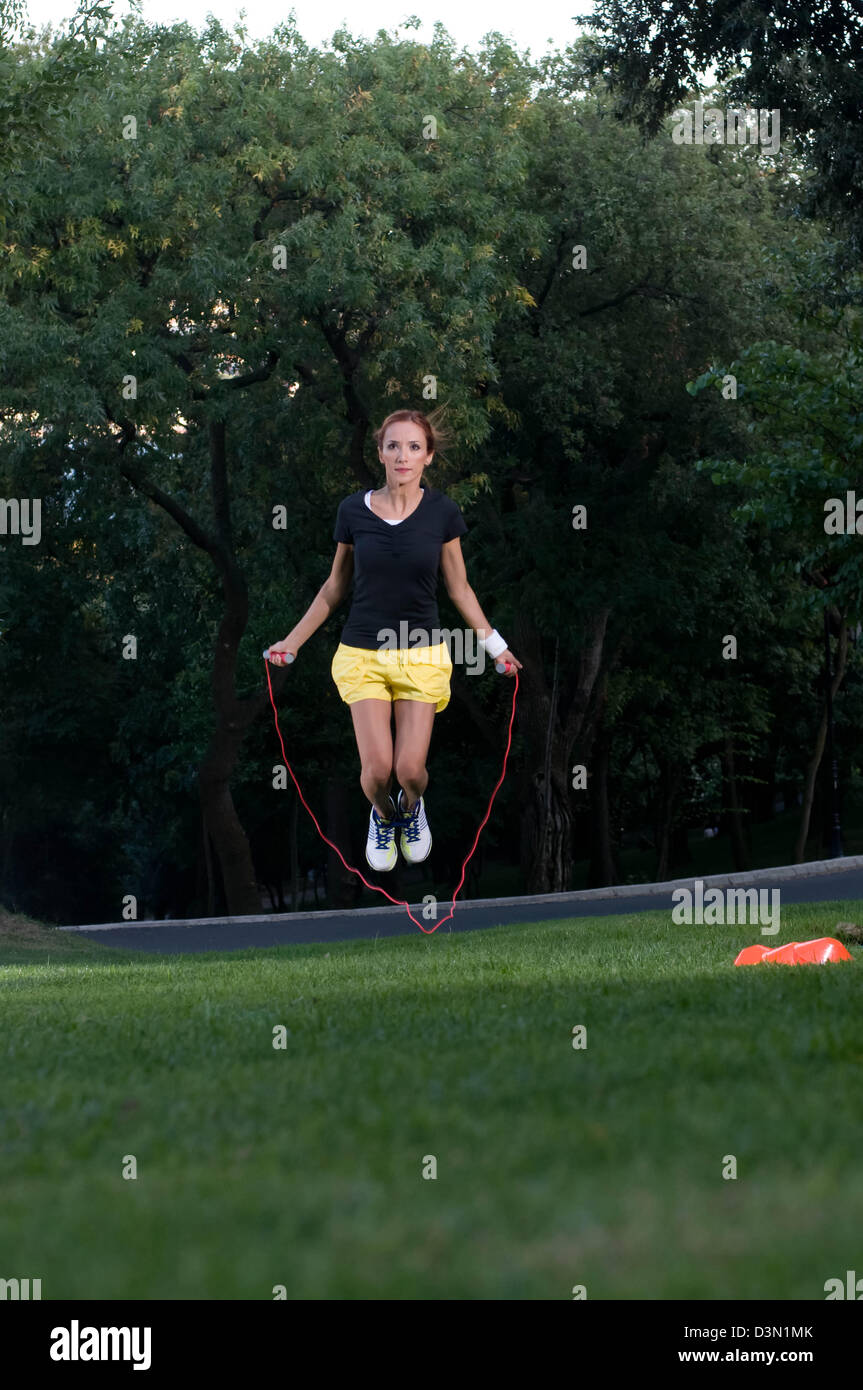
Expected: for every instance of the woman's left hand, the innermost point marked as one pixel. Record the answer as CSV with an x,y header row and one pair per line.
x,y
512,662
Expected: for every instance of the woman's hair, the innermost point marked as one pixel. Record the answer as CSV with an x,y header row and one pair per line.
x,y
436,435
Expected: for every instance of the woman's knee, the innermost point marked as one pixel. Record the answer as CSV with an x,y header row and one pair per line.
x,y
377,771
409,770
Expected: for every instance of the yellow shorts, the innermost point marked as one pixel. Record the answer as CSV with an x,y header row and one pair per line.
x,y
396,673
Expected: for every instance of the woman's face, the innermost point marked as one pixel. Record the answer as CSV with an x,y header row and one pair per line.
x,y
404,453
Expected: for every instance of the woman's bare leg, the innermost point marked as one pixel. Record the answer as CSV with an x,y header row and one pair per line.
x,y
373,729
414,723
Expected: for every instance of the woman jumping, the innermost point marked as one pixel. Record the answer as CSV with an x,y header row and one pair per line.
x,y
395,540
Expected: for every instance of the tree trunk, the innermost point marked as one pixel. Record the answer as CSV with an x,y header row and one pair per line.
x,y
198,907
220,817
546,789
210,910
546,846
295,853
731,802
820,740
345,887
603,866
671,839
233,716
763,795
665,813
681,854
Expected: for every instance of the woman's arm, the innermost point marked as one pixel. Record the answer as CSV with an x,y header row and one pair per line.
x,y
464,598
328,598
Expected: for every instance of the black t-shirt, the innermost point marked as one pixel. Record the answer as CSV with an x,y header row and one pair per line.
x,y
396,568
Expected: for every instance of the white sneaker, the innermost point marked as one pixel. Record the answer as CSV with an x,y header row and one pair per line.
x,y
416,840
381,852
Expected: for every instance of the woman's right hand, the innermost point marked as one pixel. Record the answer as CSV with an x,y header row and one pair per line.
x,y
277,651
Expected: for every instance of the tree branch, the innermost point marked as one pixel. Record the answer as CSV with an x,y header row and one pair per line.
x,y
135,475
262,373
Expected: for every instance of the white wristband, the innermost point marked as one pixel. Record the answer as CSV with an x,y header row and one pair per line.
x,y
494,644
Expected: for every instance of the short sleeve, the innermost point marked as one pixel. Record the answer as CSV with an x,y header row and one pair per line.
x,y
455,524
342,531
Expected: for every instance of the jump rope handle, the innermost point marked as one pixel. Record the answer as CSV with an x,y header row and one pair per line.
x,y
502,667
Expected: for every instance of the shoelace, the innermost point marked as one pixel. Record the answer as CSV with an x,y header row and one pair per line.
x,y
385,830
412,825
384,833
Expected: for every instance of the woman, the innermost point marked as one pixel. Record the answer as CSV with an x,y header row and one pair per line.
x,y
395,540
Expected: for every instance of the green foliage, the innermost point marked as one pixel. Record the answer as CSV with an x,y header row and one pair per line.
x,y
789,55
804,411
286,247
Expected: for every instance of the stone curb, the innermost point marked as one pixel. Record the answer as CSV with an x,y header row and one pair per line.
x,y
814,869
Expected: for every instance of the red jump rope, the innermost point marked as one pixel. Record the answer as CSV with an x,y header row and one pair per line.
x,y
500,666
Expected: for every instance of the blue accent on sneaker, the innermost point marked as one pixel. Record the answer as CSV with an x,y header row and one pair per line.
x,y
415,840
410,821
384,829
381,850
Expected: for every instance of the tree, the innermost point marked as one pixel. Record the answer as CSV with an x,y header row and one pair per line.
x,y
803,405
220,246
37,91
621,295
802,59
288,246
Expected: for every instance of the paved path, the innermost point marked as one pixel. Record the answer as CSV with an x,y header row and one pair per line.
x,y
821,881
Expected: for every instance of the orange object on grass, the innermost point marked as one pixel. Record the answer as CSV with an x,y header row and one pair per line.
x,y
751,955
820,951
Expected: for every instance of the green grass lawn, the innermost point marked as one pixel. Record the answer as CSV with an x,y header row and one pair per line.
x,y
555,1166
